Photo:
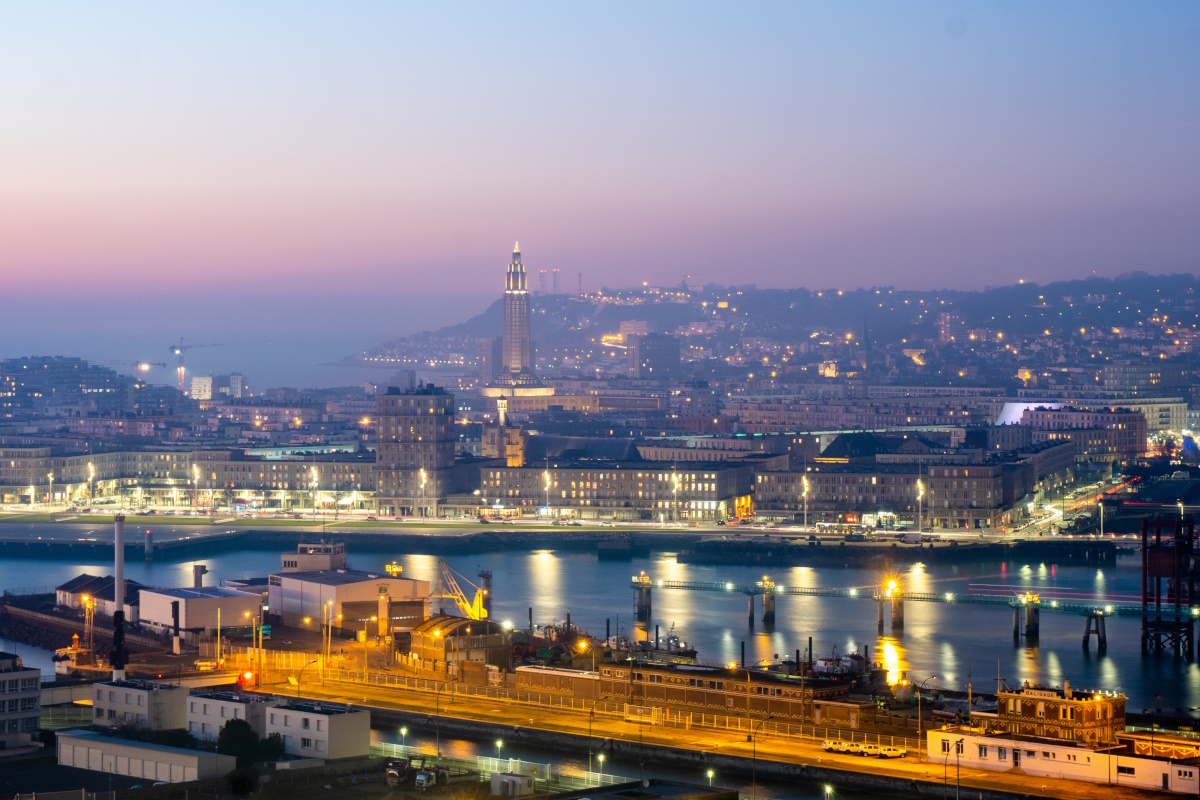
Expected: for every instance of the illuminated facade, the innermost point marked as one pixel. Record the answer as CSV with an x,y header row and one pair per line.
x,y
414,454
517,364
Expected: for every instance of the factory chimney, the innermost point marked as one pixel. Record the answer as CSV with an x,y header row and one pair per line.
x,y
118,655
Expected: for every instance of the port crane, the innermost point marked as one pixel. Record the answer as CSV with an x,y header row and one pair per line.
x,y
449,588
179,348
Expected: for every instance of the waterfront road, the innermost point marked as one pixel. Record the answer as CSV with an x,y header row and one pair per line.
x,y
731,744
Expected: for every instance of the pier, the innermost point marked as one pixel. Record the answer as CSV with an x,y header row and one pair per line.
x,y
1027,608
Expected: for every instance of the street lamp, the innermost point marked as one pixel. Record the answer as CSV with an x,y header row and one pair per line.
x,y
50,496
91,478
920,497
546,478
754,752
195,483
257,639
828,791
675,491
403,736
601,759
301,672
437,712
499,744
710,777
423,482
918,687
365,621
957,772
315,483
804,481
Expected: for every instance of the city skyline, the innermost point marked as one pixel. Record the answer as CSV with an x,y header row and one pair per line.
x,y
938,145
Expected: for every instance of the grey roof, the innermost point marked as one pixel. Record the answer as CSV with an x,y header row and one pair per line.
x,y
330,577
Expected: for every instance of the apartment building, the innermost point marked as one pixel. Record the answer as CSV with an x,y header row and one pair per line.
x,y
208,712
623,490
20,701
321,730
140,703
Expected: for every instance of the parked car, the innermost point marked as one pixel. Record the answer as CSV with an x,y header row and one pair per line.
x,y
887,751
868,750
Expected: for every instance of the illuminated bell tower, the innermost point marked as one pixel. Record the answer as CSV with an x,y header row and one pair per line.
x,y
518,363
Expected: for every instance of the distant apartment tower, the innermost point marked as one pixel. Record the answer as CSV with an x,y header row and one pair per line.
x,y
491,359
414,454
947,325
652,356
518,361
208,387
404,379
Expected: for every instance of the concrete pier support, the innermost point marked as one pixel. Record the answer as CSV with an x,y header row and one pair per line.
x,y
1094,623
1033,624
768,608
879,603
644,605
750,613
1016,624
897,613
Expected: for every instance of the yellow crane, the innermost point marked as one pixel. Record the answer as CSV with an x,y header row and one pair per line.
x,y
449,588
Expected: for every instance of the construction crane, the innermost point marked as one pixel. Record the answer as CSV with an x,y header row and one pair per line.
x,y
144,366
138,366
179,349
449,589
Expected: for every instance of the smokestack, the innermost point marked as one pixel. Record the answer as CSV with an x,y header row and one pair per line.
x,y
149,545
118,655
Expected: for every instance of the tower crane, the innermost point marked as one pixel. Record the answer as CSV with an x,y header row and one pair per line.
x,y
144,366
179,348
450,589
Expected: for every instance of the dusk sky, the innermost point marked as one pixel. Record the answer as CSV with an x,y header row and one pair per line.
x,y
378,156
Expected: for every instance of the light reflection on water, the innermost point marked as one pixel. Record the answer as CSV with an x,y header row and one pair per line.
x,y
953,641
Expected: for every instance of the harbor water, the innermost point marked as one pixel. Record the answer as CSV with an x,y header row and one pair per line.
x,y
961,644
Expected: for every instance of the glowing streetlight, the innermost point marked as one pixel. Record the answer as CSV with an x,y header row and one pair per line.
x,y
804,482
675,490
50,497
546,478
920,497
499,744
424,480
91,478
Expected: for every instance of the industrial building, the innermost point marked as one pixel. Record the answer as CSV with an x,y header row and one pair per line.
x,y
198,608
86,749
350,598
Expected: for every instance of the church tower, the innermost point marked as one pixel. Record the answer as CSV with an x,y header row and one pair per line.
x,y
518,361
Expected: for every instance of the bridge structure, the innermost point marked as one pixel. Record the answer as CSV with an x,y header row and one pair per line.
x,y
890,593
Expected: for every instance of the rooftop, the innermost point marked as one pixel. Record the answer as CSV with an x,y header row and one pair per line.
x,y
235,697
134,683
203,592
333,577
317,707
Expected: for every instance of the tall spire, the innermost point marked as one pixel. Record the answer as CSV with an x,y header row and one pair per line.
x,y
516,247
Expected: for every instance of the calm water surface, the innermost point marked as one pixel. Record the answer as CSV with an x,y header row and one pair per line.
x,y
958,643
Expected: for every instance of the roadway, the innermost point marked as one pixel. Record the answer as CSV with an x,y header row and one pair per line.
x,y
605,726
